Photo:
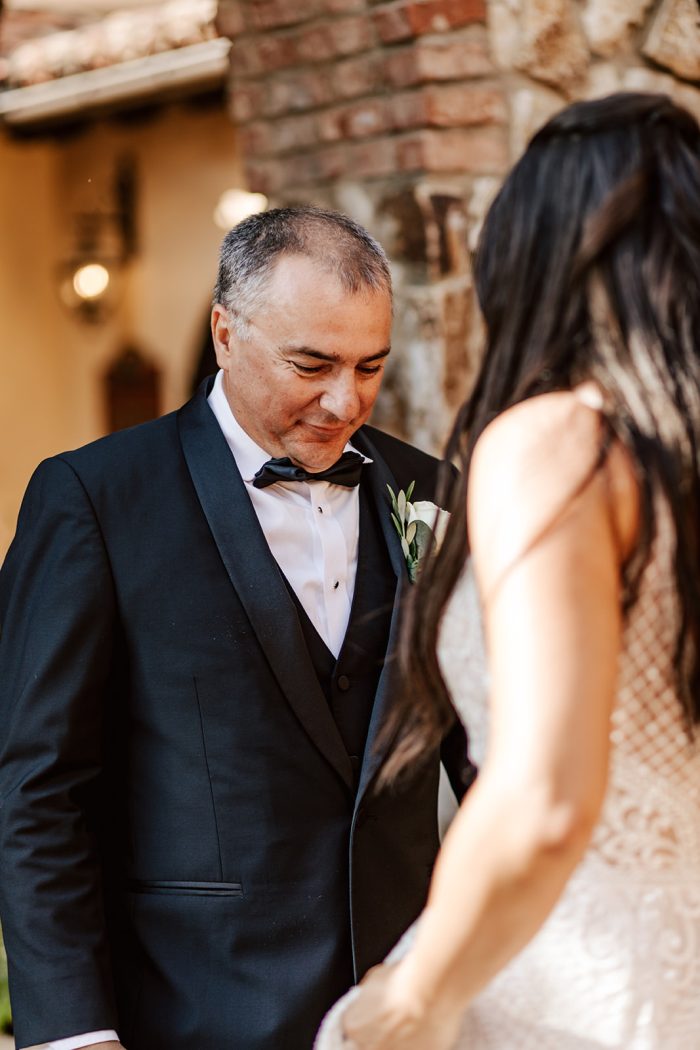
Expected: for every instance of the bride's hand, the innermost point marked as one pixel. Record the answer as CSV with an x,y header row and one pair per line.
x,y
387,1016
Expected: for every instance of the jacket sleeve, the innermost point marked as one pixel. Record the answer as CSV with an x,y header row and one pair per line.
x,y
57,614
454,754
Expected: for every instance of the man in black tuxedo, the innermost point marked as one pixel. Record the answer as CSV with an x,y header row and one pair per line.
x,y
195,618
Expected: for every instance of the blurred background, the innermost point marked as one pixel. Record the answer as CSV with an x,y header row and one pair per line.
x,y
116,146
134,134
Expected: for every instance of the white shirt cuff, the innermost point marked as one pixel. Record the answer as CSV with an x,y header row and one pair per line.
x,y
76,1041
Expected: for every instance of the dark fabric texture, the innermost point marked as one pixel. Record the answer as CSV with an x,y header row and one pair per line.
x,y
188,853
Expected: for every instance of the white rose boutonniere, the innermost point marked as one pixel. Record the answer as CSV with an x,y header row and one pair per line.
x,y
418,524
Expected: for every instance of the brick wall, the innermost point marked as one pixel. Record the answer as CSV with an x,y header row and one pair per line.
x,y
326,88
391,112
406,113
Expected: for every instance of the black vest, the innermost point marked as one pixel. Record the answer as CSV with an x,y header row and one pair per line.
x,y
350,682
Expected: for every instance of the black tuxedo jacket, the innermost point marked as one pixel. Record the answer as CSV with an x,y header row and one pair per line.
x,y
187,853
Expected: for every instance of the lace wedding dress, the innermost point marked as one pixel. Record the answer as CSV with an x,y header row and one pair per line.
x,y
617,963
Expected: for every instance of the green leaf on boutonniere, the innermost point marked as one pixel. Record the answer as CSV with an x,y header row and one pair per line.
x,y
423,538
415,534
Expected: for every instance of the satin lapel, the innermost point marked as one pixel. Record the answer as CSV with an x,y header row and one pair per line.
x,y
255,575
378,477
374,756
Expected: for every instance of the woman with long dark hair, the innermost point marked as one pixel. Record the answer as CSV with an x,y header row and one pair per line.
x,y
564,911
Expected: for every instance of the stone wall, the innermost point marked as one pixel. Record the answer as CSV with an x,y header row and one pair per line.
x,y
406,114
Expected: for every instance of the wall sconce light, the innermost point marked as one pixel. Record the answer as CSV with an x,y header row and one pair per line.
x,y
91,281
236,205
105,240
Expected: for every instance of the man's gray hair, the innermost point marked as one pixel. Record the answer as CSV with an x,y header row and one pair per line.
x,y
339,245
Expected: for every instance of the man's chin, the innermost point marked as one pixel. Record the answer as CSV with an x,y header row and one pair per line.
x,y
318,451
316,459
315,466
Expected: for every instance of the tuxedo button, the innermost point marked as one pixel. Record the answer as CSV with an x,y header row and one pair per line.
x,y
343,682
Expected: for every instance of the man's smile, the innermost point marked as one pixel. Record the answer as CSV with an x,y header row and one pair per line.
x,y
326,431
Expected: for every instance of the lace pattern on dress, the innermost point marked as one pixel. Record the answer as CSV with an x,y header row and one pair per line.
x,y
617,964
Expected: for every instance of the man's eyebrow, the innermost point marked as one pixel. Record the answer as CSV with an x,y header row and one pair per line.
x,y
319,355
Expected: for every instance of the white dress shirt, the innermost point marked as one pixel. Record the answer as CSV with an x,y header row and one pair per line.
x,y
311,528
77,1041
313,531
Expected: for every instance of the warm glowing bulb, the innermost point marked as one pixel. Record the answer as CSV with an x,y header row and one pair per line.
x,y
91,281
236,205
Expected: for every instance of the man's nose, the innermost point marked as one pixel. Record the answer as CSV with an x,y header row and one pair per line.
x,y
341,398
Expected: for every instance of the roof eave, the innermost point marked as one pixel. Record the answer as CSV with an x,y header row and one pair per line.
x,y
194,67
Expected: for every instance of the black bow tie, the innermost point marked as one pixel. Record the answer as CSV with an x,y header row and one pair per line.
x,y
346,471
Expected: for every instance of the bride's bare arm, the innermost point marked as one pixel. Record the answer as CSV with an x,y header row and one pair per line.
x,y
548,569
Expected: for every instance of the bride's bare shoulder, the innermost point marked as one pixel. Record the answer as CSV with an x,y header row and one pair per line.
x,y
557,430
534,456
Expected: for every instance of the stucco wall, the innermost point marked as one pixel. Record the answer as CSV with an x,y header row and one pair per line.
x,y
51,362
35,389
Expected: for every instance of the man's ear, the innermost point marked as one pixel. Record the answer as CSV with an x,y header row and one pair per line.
x,y
221,334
